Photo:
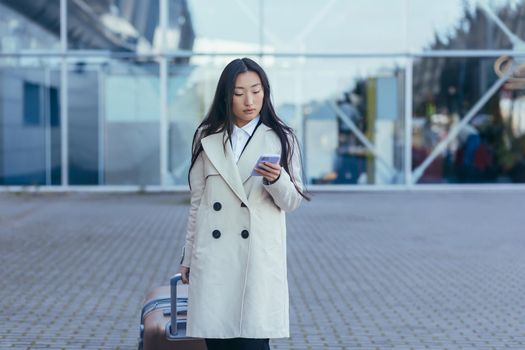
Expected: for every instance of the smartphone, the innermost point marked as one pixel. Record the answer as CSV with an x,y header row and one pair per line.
x,y
272,158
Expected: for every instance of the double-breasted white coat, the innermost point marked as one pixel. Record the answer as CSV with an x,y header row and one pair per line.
x,y
236,241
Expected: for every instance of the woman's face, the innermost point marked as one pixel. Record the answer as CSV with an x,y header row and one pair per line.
x,y
247,97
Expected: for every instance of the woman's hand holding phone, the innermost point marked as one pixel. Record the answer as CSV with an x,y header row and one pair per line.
x,y
269,170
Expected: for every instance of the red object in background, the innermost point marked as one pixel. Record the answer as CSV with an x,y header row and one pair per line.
x,y
482,157
434,172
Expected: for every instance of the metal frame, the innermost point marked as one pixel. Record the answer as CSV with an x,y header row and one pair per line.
x,y
163,56
47,124
101,126
163,90
292,54
64,124
409,182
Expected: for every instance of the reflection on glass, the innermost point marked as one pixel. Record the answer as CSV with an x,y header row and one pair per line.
x,y
348,114
459,25
342,111
224,26
30,123
186,109
128,26
114,122
191,87
312,26
491,146
27,25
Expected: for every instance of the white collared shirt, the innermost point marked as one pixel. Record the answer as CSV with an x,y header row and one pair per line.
x,y
241,135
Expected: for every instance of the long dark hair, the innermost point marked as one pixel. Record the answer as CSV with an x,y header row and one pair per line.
x,y
220,116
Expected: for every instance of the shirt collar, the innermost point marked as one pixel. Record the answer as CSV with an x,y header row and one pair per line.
x,y
250,127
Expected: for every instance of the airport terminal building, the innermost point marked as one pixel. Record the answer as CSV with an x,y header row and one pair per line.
x,y
390,94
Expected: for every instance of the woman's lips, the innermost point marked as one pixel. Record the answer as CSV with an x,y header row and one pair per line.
x,y
249,110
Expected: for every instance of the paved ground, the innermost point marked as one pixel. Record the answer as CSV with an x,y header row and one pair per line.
x,y
395,270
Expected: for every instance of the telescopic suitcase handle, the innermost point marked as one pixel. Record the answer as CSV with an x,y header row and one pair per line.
x,y
173,329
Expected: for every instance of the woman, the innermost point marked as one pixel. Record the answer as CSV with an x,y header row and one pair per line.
x,y
236,232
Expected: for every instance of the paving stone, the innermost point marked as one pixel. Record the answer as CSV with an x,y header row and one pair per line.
x,y
378,270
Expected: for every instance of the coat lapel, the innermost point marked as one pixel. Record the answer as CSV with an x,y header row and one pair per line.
x,y
235,174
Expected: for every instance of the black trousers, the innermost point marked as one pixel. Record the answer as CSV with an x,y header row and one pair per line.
x,y
238,343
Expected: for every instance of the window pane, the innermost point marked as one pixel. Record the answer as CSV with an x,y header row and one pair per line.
x,y
121,25
114,122
345,109
30,147
491,147
29,25
223,26
329,102
313,26
458,24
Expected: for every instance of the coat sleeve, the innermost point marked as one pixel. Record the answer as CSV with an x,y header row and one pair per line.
x,y
197,181
283,191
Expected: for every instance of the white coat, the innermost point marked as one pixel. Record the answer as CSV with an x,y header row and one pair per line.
x,y
236,241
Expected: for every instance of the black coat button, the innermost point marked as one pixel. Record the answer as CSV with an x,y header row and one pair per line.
x,y
245,233
217,206
216,233
243,205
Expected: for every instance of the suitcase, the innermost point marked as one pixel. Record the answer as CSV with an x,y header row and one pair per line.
x,y
165,306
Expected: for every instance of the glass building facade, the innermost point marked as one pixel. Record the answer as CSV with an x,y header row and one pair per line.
x,y
385,93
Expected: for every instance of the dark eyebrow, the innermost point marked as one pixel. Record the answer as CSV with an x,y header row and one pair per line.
x,y
240,87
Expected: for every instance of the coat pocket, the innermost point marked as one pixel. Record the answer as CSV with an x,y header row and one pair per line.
x,y
214,186
210,170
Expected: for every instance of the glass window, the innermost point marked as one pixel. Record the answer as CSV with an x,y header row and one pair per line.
x,y
460,25
114,114
222,26
120,25
32,103
490,148
313,26
341,109
347,110
349,113
191,87
29,25
30,134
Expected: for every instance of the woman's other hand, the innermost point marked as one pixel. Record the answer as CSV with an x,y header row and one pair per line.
x,y
185,272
